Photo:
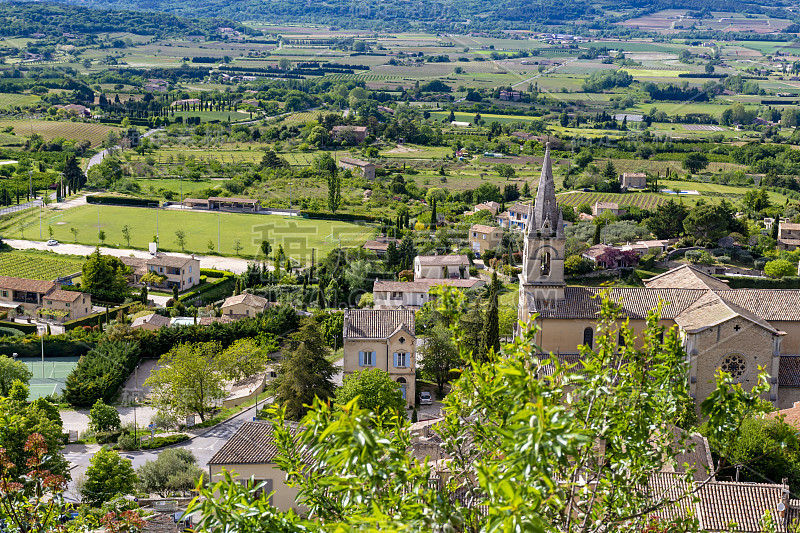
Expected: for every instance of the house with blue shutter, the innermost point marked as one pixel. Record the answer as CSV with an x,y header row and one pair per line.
x,y
385,339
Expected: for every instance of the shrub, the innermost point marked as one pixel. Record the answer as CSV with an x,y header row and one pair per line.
x,y
701,257
780,268
647,261
724,258
160,442
759,263
107,437
127,442
576,265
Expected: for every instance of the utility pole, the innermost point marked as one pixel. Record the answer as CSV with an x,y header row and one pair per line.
x,y
218,222
30,184
98,224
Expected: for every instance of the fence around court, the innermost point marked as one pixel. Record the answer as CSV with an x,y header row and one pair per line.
x,y
50,376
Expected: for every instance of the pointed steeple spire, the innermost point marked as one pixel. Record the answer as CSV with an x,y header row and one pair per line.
x,y
547,218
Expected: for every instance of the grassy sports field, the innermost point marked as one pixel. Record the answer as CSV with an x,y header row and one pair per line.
x,y
49,377
297,235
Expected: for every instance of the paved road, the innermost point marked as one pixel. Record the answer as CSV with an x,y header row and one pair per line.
x,y
232,264
99,156
203,447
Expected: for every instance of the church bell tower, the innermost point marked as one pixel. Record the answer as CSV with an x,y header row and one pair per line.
x,y
542,279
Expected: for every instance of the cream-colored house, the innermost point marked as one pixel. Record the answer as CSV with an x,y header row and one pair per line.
x,y
737,330
441,267
365,168
482,237
45,298
607,207
243,305
385,339
66,305
413,294
788,235
250,453
180,271
634,180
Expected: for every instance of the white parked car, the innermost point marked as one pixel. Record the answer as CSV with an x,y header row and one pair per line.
x,y
425,398
52,242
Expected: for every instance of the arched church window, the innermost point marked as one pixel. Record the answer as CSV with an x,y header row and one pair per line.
x,y
735,365
588,337
545,258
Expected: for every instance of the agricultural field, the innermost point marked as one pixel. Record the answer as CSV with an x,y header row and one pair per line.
x,y
38,265
297,235
642,200
9,100
51,129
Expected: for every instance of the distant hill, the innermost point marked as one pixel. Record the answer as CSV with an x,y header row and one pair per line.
x,y
54,19
438,15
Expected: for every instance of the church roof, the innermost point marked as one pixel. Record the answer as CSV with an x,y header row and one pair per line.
x,y
710,310
685,277
584,302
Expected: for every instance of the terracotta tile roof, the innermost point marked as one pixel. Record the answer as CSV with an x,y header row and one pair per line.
x,y
584,302
482,228
354,162
232,200
30,285
685,277
789,225
634,175
137,264
424,285
789,371
195,201
350,128
791,242
519,208
174,261
596,250
247,299
710,310
64,296
723,503
487,205
719,503
253,443
443,260
773,305
376,323
154,319
791,415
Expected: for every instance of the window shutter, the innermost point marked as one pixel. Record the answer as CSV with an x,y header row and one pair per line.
x,y
395,359
360,358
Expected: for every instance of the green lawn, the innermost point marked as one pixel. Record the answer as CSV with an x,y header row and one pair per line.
x,y
297,235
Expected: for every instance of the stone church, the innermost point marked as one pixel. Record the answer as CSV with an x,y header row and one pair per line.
x,y
737,330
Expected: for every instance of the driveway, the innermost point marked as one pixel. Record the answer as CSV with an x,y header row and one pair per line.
x,y
232,264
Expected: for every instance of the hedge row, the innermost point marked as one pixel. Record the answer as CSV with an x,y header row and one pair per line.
x,y
100,373
213,273
746,282
212,291
24,328
160,442
340,216
119,200
53,347
95,318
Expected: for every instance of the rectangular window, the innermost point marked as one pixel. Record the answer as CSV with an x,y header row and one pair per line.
x,y
67,305
5,294
401,360
49,302
190,268
366,358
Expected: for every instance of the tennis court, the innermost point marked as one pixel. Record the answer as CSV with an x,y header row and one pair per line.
x,y
50,377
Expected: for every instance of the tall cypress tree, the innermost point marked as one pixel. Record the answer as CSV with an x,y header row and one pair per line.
x,y
491,324
433,213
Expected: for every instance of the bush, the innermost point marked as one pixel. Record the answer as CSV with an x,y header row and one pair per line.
x,y
780,268
701,257
647,261
759,263
213,273
160,442
127,442
724,258
107,437
576,265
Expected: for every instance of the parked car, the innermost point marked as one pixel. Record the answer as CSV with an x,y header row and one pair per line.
x,y
425,398
52,242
